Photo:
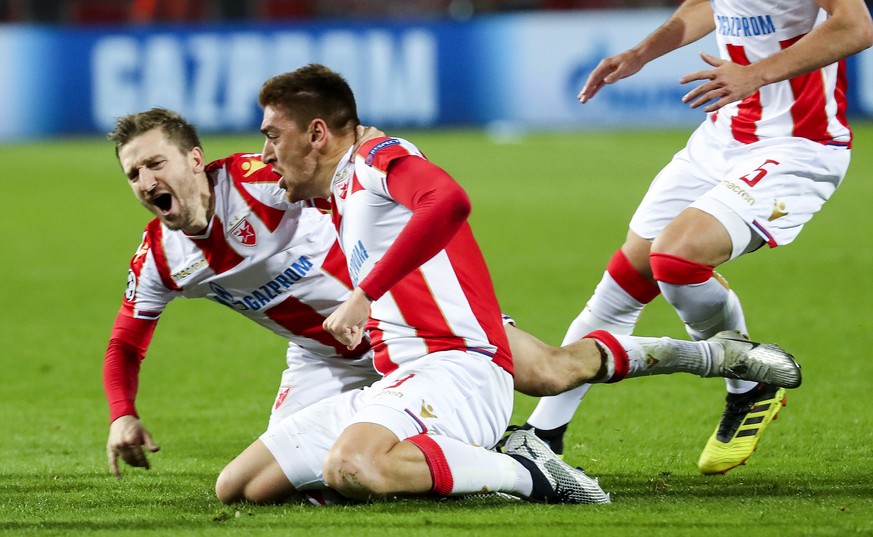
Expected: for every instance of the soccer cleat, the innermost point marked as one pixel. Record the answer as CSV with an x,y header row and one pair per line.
x,y
758,362
745,417
554,481
554,438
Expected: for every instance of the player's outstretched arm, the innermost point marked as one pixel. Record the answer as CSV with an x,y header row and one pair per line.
x,y
691,21
127,436
127,347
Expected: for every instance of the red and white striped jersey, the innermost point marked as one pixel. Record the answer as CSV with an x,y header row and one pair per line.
x,y
447,303
811,106
277,263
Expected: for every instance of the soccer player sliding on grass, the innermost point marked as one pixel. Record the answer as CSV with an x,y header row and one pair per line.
x,y
423,295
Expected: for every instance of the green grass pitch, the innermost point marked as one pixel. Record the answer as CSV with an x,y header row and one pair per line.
x,y
549,210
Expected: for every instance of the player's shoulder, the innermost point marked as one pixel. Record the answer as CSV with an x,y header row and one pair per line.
x,y
379,152
158,237
154,230
151,239
244,168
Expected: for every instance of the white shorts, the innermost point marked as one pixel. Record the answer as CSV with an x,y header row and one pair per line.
x,y
310,378
774,186
462,395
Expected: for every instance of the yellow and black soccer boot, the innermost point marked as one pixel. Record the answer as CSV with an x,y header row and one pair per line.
x,y
745,417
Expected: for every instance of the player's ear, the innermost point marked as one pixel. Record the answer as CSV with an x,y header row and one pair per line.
x,y
198,160
318,132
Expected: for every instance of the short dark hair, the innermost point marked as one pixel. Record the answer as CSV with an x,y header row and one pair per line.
x,y
177,130
313,91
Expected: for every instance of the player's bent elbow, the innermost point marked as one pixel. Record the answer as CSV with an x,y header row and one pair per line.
x,y
461,208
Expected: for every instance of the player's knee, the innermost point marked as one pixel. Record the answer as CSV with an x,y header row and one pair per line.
x,y
355,476
228,490
230,487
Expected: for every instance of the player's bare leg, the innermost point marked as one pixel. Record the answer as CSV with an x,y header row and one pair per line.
x,y
604,357
253,476
545,369
542,369
369,462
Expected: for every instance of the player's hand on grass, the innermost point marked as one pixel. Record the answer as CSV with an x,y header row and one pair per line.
x,y
609,71
346,324
127,436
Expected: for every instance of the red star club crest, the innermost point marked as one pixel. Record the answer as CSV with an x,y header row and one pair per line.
x,y
341,184
244,233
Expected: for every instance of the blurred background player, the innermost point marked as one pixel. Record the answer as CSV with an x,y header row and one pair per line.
x,y
773,148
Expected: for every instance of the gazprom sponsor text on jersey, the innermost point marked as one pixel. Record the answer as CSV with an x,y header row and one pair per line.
x,y
356,261
745,26
265,294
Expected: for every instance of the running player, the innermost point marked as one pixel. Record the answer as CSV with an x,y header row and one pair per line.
x,y
773,148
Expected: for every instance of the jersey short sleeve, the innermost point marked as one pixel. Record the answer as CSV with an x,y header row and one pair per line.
x,y
148,293
378,155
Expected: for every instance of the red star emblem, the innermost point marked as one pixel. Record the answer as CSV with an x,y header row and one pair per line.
x,y
244,233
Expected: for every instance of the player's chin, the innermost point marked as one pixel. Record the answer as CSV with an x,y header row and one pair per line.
x,y
294,195
171,220
289,196
283,183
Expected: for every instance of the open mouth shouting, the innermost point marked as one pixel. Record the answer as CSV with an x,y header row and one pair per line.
x,y
164,205
163,202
